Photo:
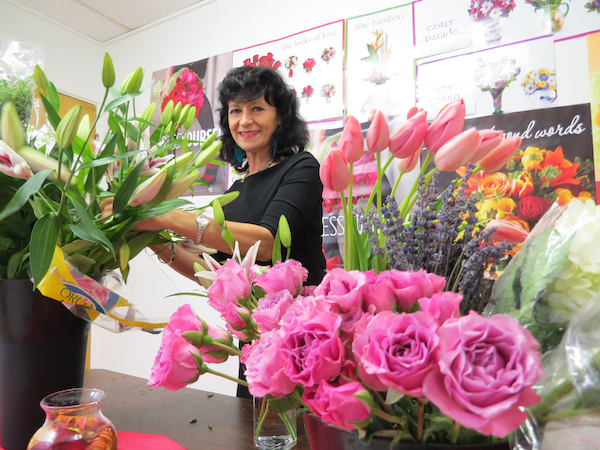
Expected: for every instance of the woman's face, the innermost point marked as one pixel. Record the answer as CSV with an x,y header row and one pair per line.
x,y
252,125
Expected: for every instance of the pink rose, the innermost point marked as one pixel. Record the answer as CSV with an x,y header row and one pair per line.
x,y
174,365
487,369
271,309
342,288
347,372
337,405
213,353
265,367
315,351
441,306
231,284
238,320
288,275
184,319
302,309
397,351
404,288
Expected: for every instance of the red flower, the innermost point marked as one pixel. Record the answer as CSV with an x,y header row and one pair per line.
x,y
187,90
264,61
532,207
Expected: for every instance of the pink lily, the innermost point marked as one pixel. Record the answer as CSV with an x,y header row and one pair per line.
x,y
12,164
334,172
408,139
458,151
351,141
447,124
490,139
408,164
378,134
151,165
498,157
506,230
148,189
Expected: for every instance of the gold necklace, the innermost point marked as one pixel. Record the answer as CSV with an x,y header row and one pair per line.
x,y
266,166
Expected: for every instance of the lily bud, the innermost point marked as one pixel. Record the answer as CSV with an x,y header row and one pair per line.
x,y
209,140
408,139
378,134
334,171
206,156
490,139
191,116
39,77
408,164
447,124
108,72
506,230
458,151
148,189
65,132
285,234
133,82
351,141
177,112
218,213
182,184
12,164
180,162
147,115
184,113
38,161
498,157
83,132
167,113
11,130
124,253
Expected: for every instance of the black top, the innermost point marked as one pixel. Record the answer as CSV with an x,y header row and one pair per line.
x,y
291,188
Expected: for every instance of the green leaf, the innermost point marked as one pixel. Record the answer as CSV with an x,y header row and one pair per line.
x,y
164,207
132,131
126,190
43,242
121,100
32,186
52,113
283,404
86,229
53,98
104,161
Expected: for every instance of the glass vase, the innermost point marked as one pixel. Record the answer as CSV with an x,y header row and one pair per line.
x,y
553,17
497,99
493,31
74,421
273,430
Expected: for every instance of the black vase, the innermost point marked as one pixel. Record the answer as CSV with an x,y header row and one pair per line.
x,y
42,350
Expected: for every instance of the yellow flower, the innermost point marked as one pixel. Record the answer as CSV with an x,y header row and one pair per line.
x,y
531,158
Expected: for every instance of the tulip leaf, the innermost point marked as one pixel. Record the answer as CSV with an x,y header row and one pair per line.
x,y
44,237
30,187
126,190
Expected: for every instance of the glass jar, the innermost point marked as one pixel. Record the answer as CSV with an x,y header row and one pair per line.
x,y
74,422
273,429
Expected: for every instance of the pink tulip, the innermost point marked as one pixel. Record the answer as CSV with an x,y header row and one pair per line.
x,y
351,141
334,172
448,123
12,164
498,157
378,134
412,111
458,151
408,139
490,139
506,230
408,164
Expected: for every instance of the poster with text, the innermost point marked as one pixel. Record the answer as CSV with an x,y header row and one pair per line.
x,y
177,83
311,62
379,62
501,80
593,41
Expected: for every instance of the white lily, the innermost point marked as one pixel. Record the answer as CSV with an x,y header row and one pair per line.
x,y
206,277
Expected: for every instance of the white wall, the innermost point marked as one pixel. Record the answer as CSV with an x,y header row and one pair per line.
x,y
216,26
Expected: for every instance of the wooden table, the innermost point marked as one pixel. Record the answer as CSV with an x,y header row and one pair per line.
x,y
133,406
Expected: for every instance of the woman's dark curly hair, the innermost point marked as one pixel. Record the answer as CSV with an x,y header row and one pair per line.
x,y
246,84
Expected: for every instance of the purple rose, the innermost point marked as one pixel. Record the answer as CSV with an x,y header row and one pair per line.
x,y
397,351
441,306
314,350
271,309
232,283
265,367
337,405
174,365
288,275
342,288
486,372
404,288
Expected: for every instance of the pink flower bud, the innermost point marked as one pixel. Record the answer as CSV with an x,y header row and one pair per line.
x,y
458,151
490,139
334,172
498,157
408,164
378,134
12,164
351,140
148,189
448,123
409,137
506,230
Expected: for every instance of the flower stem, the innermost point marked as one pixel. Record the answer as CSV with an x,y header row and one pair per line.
x,y
228,377
346,233
229,349
421,408
456,432
403,206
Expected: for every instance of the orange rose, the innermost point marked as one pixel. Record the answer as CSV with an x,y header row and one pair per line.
x,y
495,185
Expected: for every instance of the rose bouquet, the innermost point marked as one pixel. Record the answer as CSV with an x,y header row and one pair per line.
x,y
290,63
328,54
309,65
308,91
490,9
51,224
540,85
328,91
185,88
264,61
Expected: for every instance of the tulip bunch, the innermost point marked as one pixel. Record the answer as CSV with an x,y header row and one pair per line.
x,y
53,195
447,145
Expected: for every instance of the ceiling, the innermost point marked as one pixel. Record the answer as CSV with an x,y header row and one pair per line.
x,y
103,20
